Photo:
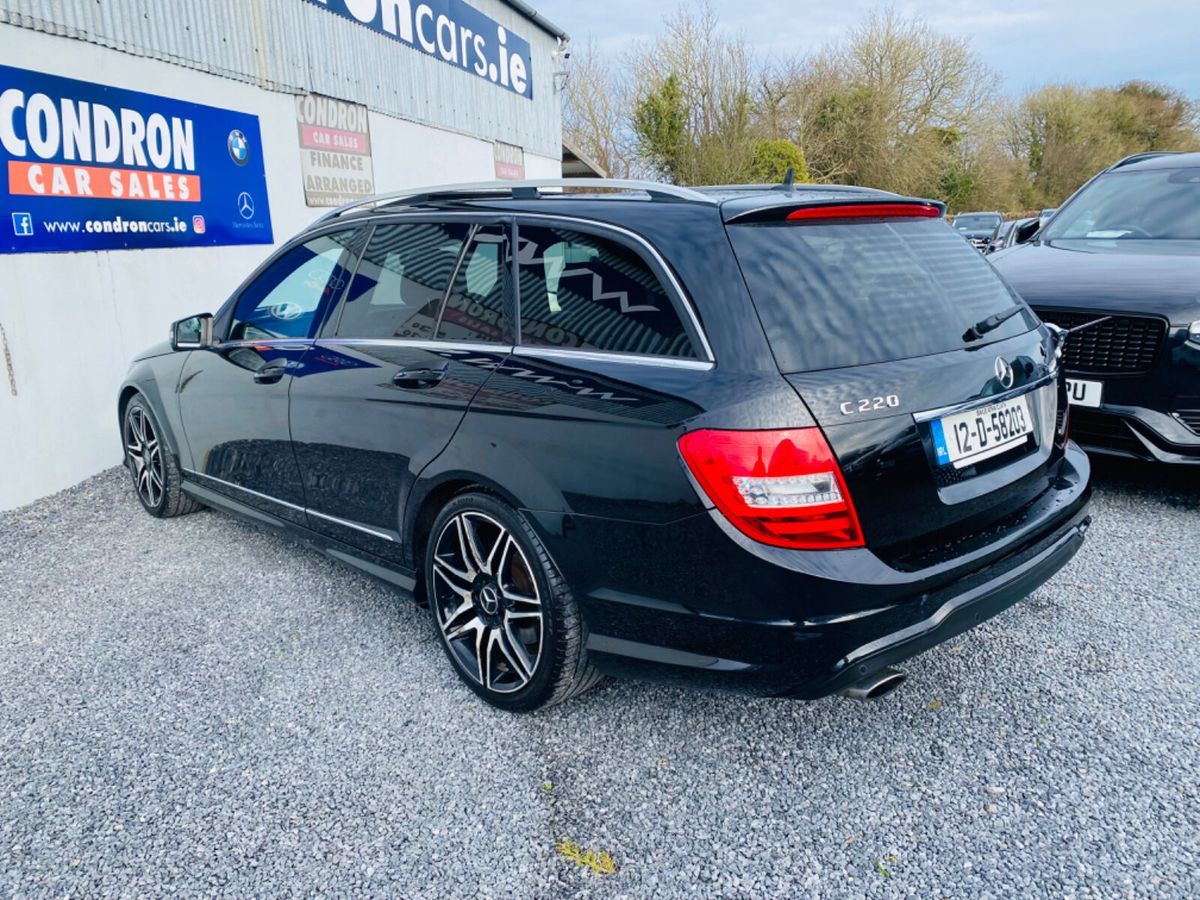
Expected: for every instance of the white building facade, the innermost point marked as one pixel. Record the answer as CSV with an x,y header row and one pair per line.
x,y
122,117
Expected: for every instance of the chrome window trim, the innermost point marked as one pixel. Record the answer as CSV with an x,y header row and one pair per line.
x,y
417,343
268,342
245,490
680,295
930,414
637,359
523,350
367,529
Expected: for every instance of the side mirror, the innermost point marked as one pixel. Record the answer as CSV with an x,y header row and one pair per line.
x,y
1025,231
192,333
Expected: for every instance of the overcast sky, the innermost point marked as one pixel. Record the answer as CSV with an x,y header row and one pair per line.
x,y
1029,42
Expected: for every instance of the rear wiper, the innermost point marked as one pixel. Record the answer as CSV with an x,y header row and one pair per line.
x,y
991,323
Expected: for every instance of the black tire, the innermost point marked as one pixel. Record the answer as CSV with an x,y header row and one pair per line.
x,y
456,583
157,481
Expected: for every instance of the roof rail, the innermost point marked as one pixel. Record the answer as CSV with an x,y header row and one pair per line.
x,y
521,190
795,187
1138,157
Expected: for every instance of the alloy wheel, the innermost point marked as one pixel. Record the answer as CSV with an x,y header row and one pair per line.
x,y
487,602
144,452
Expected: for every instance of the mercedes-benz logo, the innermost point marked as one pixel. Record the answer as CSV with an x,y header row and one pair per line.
x,y
1004,372
239,147
489,599
245,205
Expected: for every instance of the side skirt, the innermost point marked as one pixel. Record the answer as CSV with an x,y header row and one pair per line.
x,y
403,580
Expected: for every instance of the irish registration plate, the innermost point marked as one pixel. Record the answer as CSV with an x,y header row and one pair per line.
x,y
970,437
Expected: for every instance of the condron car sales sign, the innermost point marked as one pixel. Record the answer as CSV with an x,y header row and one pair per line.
x,y
335,150
89,167
452,31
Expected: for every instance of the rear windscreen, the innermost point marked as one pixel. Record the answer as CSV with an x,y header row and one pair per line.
x,y
833,295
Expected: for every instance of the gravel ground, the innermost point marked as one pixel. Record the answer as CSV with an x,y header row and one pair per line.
x,y
195,706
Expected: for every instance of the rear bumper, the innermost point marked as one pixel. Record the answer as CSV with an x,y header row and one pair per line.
x,y
956,615
746,624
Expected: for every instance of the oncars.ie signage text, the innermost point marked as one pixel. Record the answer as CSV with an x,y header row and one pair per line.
x,y
84,166
450,30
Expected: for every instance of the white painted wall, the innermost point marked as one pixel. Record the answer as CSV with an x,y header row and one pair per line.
x,y
74,320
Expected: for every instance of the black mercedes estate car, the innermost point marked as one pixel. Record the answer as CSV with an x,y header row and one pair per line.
x,y
1124,253
775,440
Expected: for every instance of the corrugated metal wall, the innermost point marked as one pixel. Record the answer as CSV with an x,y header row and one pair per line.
x,y
294,46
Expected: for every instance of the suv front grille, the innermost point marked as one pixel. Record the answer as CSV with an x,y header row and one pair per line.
x,y
1097,429
1122,345
1190,418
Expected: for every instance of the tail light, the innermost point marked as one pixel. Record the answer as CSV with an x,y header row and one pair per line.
x,y
782,488
867,211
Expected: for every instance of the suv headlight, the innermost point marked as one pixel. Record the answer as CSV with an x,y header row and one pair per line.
x,y
1194,333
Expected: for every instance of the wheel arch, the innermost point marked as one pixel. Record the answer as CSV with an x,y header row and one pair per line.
x,y
430,496
143,381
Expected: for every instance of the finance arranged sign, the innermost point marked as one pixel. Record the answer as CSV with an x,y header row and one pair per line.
x,y
509,159
452,31
335,150
89,167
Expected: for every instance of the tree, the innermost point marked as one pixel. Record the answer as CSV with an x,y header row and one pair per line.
x,y
696,101
596,106
895,105
771,160
1063,134
876,109
659,121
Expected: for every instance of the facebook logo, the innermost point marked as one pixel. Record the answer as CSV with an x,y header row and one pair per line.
x,y
22,224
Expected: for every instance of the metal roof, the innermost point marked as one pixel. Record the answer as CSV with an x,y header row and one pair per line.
x,y
297,47
538,19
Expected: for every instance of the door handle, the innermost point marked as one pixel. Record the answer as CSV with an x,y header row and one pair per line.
x,y
270,374
418,378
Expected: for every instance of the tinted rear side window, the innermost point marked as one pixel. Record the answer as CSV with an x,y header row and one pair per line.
x,y
476,306
579,290
833,295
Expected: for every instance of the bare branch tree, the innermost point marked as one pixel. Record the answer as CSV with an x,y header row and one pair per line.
x,y
596,109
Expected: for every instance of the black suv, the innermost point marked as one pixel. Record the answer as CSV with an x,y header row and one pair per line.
x,y
1124,253
775,440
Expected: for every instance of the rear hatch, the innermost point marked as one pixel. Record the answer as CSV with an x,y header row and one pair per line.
x,y
943,426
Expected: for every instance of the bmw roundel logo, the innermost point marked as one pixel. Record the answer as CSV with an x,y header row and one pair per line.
x,y
239,147
1004,373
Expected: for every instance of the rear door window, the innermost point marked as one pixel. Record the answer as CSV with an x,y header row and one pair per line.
x,y
476,308
584,291
850,294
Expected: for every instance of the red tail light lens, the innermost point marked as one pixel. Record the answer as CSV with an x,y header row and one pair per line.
x,y
867,211
783,488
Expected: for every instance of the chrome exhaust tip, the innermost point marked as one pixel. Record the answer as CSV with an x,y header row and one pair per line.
x,y
875,685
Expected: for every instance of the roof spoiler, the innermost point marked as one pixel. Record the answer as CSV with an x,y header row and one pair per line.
x,y
843,208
